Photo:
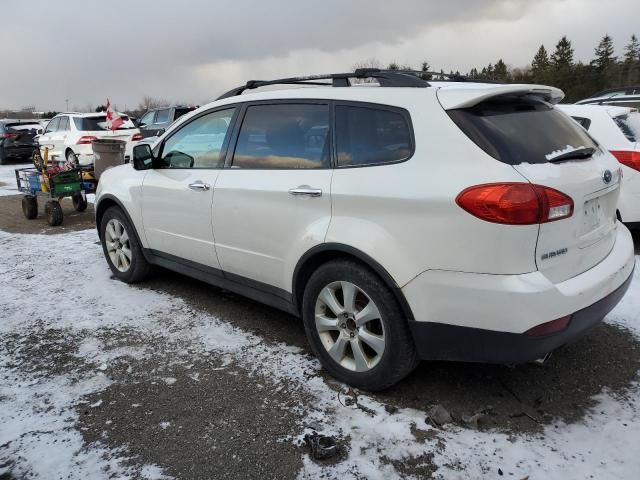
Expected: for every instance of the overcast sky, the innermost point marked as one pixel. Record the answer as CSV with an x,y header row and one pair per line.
x,y
192,50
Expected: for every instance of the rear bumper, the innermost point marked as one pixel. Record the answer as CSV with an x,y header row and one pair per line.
x,y
18,152
439,341
478,317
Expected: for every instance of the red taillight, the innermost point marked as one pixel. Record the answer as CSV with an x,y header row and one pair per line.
x,y
9,135
515,203
85,140
553,326
629,158
136,137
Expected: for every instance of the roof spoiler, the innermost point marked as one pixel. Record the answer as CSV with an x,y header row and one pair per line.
x,y
466,97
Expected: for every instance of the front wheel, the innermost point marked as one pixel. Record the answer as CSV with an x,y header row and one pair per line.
x,y
121,248
356,327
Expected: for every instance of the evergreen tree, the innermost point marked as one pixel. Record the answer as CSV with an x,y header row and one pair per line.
x,y
393,66
604,54
425,68
540,62
562,58
632,51
500,71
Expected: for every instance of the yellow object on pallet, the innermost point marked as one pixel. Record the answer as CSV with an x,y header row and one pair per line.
x,y
44,180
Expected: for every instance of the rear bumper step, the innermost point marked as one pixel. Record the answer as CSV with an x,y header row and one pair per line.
x,y
439,341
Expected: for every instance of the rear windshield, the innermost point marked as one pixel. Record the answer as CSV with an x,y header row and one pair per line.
x,y
92,124
23,126
629,125
518,130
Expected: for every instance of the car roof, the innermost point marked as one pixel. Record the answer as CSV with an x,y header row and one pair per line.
x,y
589,109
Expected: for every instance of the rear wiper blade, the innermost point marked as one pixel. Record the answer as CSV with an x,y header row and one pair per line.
x,y
577,154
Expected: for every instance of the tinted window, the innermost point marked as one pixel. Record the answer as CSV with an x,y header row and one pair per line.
x,y
182,111
162,116
199,143
370,136
284,136
585,122
630,126
52,126
518,130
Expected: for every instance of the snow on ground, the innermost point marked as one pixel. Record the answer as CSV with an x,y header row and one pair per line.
x,y
8,178
38,412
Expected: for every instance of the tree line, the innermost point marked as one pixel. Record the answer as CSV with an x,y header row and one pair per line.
x,y
559,68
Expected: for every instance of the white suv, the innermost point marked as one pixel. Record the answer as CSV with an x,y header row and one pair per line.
x,y
618,130
69,135
414,220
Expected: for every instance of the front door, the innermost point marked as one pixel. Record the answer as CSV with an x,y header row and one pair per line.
x,y
274,203
177,194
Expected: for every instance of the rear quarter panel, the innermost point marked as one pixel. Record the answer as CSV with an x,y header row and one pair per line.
x,y
405,216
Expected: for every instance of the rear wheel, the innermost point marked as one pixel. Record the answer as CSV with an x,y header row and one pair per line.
x,y
54,213
29,207
72,158
356,327
79,202
121,248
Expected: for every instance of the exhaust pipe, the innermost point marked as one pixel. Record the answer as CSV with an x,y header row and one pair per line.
x,y
541,361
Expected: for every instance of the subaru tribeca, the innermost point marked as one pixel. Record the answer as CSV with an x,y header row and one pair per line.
x,y
405,221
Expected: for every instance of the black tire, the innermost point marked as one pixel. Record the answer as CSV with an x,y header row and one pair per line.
x,y
79,203
72,158
399,357
54,213
29,207
139,269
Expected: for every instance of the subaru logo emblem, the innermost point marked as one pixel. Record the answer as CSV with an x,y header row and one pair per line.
x,y
607,176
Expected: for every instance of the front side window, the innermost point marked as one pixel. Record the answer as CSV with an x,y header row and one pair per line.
x,y
52,126
162,116
147,118
289,136
199,143
371,136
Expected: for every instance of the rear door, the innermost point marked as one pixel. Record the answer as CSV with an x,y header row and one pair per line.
x,y
548,148
178,192
274,203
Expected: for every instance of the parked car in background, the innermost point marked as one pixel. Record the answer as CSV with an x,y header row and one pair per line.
x,y
17,139
69,135
622,97
618,130
410,220
154,122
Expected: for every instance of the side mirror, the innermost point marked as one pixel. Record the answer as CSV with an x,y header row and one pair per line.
x,y
142,157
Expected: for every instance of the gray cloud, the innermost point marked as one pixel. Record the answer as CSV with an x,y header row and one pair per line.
x,y
192,50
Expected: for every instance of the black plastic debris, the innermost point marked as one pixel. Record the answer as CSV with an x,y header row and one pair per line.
x,y
321,446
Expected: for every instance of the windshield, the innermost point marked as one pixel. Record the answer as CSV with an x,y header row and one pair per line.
x,y
515,129
93,124
629,125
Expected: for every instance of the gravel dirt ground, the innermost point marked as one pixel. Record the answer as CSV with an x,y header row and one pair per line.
x,y
173,405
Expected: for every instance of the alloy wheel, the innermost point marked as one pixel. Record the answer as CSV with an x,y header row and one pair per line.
x,y
118,245
350,326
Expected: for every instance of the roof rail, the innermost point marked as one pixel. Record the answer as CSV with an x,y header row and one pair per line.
x,y
386,78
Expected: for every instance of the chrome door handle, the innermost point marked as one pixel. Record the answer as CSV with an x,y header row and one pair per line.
x,y
305,192
199,186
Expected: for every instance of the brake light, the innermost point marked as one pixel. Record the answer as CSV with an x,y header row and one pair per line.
x,y
553,326
86,140
629,158
136,137
515,203
9,135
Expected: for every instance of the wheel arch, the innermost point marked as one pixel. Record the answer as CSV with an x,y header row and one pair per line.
x,y
325,252
107,201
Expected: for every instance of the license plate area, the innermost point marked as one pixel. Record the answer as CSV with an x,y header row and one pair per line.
x,y
593,215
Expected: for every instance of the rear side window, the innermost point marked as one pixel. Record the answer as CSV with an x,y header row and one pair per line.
x,y
371,136
284,136
64,124
629,125
517,130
